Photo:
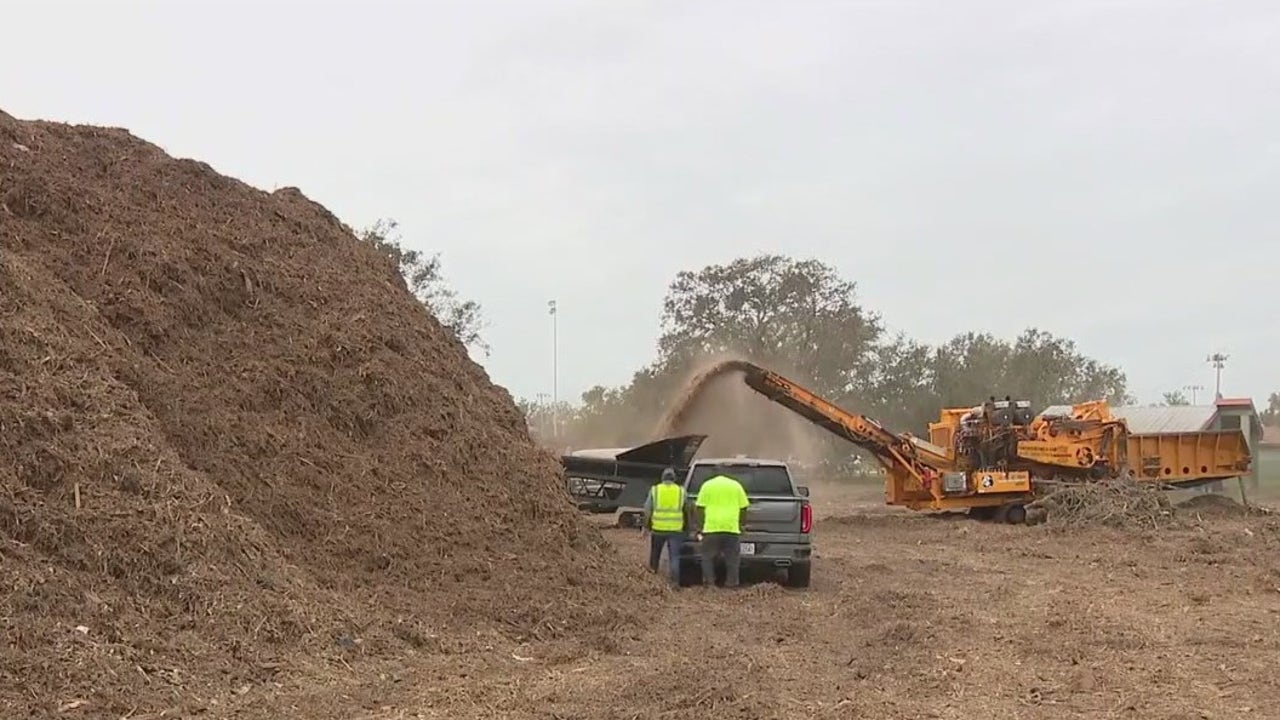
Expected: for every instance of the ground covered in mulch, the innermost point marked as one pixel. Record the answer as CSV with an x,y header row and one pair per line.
x,y
911,618
234,450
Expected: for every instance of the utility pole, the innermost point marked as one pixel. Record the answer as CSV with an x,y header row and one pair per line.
x,y
1193,389
1218,361
555,370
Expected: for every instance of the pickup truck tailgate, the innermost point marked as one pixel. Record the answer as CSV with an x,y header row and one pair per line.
x,y
773,514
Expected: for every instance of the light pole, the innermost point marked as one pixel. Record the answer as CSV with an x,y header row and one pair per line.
x,y
555,370
1193,389
1218,361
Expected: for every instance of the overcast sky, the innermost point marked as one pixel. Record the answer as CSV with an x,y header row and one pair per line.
x,y
1100,169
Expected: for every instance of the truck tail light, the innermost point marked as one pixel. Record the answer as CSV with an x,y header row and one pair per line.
x,y
806,518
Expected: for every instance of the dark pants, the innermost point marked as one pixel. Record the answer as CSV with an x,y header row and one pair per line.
x,y
723,545
671,541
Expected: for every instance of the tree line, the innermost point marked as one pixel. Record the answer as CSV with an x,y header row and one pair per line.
x,y
803,319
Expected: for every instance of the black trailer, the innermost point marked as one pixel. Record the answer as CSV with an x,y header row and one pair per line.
x,y
609,481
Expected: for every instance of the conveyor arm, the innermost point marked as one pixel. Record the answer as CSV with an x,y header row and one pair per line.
x,y
895,452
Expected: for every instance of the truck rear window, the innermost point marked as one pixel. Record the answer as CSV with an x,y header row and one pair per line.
x,y
756,480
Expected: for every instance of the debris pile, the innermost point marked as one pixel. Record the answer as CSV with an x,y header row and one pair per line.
x,y
230,438
1110,503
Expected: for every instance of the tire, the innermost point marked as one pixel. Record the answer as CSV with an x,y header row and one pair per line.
x,y
1016,515
798,575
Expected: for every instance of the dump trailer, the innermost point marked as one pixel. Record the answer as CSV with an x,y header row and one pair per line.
x,y
991,459
616,480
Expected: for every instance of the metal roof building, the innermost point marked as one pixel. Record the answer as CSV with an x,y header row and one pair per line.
x,y
1142,420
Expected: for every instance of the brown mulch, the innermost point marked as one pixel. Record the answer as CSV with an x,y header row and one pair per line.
x,y
232,444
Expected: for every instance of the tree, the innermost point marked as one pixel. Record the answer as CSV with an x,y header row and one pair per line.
x,y
972,367
423,277
628,415
548,422
900,389
1271,416
1175,398
604,418
797,315
915,381
801,318
1049,370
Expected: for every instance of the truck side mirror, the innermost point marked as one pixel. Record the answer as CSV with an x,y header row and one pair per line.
x,y
802,491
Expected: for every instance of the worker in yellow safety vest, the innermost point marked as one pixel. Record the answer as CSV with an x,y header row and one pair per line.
x,y
720,509
664,521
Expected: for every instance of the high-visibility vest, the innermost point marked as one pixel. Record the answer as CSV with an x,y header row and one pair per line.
x,y
668,508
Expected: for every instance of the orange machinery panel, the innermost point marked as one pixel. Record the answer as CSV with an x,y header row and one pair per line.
x,y
942,433
1188,457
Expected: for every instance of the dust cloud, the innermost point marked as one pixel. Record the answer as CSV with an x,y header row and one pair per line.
x,y
716,402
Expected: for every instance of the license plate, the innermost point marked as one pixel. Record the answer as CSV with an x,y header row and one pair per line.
x,y
748,548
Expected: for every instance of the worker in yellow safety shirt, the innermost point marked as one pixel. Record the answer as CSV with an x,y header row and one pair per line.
x,y
664,521
721,507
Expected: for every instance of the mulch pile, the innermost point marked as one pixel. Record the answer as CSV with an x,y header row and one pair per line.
x,y
232,443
